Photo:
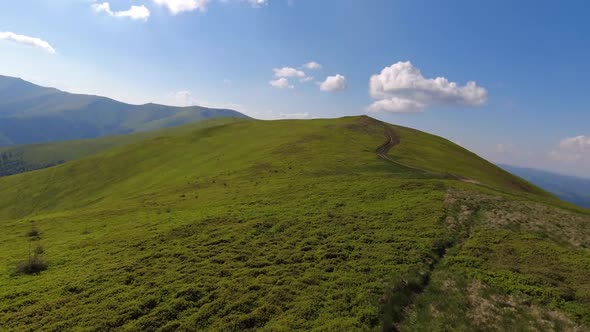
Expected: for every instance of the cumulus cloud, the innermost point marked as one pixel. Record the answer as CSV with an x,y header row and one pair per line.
x,y
134,13
395,104
402,88
293,73
334,83
572,150
288,72
179,6
26,40
281,83
313,65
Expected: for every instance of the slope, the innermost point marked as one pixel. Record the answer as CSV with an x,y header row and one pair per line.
x,y
24,158
34,114
272,226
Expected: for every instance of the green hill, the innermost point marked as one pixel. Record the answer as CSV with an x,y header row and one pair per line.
x,y
24,158
345,224
34,114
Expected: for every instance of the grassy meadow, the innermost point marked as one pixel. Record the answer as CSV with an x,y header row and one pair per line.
x,y
243,225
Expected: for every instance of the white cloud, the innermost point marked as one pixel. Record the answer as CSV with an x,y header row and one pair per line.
x,y
281,83
573,150
402,88
253,3
184,98
306,79
134,13
312,65
26,40
288,72
334,83
258,3
579,143
395,104
179,6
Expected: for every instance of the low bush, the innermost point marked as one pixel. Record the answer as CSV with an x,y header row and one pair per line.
x,y
34,233
33,265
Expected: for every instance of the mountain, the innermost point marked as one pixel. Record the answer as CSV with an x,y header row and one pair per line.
x,y
569,188
34,114
346,224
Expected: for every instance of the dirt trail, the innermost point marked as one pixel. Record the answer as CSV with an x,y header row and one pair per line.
x,y
393,140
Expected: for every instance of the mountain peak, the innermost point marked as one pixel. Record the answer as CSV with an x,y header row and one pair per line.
x,y
33,114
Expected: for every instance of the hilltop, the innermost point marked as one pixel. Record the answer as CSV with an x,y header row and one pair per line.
x,y
345,224
33,114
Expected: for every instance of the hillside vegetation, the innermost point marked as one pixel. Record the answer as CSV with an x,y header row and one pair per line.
x,y
33,114
24,158
288,225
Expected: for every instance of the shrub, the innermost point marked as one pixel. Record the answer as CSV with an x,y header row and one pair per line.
x,y
33,265
34,233
39,250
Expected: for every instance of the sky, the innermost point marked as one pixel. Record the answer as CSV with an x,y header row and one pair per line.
x,y
505,79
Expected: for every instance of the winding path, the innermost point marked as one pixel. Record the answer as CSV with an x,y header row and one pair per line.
x,y
393,140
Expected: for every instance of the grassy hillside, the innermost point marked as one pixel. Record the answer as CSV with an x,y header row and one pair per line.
x,y
24,158
286,225
34,114
437,154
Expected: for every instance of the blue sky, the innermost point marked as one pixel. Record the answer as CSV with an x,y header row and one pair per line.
x,y
529,105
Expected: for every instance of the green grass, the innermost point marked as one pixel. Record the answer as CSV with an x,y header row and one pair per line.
x,y
23,158
440,155
516,266
248,225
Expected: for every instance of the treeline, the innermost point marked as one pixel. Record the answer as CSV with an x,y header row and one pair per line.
x,y
13,162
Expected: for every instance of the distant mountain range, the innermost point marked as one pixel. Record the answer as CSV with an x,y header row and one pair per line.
x,y
33,114
569,188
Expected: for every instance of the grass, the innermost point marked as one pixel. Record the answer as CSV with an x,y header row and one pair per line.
x,y
24,158
440,155
32,265
516,266
255,225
